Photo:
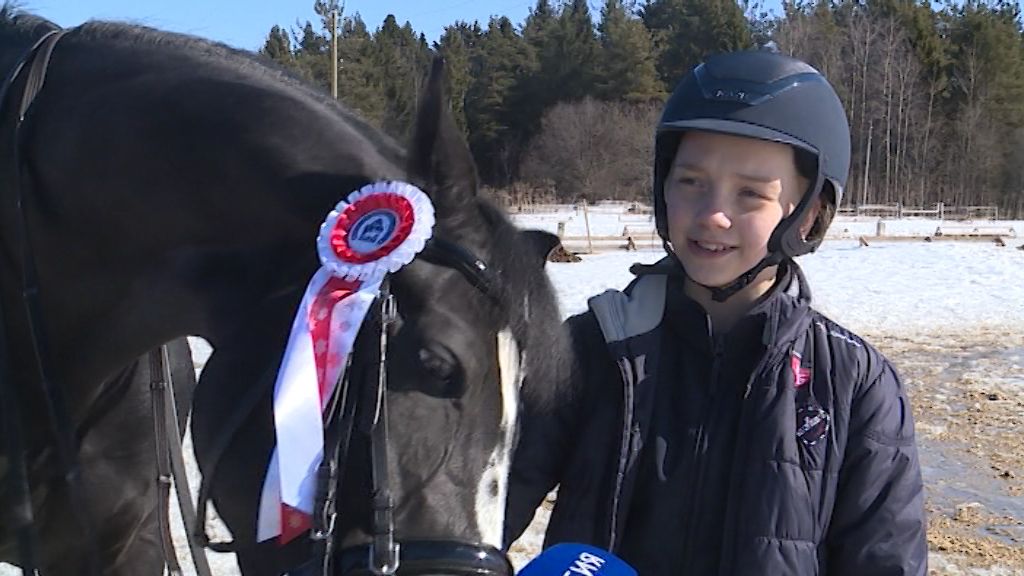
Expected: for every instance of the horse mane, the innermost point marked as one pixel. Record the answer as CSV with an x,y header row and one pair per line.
x,y
23,24
254,67
533,315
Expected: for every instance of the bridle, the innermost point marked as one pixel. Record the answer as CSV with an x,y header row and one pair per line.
x,y
384,554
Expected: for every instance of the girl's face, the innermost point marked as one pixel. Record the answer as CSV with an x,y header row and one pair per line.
x,y
724,196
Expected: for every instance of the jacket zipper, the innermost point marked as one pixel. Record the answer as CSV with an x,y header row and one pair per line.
x,y
768,365
625,453
698,449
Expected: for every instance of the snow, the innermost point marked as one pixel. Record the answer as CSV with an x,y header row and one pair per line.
x,y
896,287
890,286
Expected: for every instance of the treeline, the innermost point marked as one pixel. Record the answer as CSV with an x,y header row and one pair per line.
x,y
563,105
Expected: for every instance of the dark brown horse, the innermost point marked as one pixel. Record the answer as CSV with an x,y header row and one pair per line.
x,y
173,186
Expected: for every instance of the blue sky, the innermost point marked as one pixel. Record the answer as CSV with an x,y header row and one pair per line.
x,y
244,24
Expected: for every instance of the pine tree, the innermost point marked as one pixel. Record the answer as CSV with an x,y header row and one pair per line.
x,y
496,129
278,47
563,64
312,55
687,31
533,93
455,47
541,20
358,79
402,58
573,70
626,69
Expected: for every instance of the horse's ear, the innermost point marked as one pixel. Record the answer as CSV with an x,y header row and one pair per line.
x,y
440,157
539,244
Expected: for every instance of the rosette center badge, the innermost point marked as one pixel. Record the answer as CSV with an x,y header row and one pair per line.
x,y
372,231
377,229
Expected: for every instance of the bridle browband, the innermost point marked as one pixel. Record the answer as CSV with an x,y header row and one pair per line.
x,y
451,255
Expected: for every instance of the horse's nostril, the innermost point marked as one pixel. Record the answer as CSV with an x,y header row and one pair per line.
x,y
493,488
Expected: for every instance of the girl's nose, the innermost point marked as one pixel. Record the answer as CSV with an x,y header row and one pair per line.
x,y
712,213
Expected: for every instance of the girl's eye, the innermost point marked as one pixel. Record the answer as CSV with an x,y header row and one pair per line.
x,y
751,193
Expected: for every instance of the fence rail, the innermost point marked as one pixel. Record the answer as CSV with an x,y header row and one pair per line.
x,y
869,222
939,211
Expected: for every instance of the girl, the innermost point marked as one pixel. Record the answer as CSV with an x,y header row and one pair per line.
x,y
720,424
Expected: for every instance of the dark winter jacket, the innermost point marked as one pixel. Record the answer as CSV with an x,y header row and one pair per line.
x,y
824,476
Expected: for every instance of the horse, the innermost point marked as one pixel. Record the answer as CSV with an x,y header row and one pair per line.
x,y
172,186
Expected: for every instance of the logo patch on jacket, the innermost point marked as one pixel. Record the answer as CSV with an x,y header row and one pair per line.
x,y
801,376
812,423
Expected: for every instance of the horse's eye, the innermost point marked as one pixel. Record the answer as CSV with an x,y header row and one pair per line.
x,y
439,362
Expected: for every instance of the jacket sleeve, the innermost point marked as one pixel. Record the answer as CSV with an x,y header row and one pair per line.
x,y
546,441
878,522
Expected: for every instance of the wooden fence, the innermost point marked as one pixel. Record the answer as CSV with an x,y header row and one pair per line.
x,y
938,211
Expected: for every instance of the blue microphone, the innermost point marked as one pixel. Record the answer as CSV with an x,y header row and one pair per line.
x,y
576,560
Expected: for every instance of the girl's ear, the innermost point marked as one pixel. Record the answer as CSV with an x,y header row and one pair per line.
x,y
810,217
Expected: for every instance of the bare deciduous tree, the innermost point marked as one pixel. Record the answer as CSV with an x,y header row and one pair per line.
x,y
594,150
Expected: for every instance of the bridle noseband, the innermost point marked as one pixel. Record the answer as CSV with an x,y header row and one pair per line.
x,y
384,554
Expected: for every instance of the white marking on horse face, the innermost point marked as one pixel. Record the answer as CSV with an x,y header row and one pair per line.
x,y
490,502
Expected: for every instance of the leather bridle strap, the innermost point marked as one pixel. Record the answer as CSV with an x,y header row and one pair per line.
x,y
384,551
158,388
451,255
432,557
341,416
171,464
37,59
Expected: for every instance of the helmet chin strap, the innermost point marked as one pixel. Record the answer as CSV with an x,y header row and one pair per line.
x,y
723,293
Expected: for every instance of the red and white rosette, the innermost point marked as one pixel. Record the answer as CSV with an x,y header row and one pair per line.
x,y
376,230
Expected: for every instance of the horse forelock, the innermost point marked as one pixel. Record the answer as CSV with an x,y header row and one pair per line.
x,y
531,308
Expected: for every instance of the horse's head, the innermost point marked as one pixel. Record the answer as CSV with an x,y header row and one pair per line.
x,y
458,351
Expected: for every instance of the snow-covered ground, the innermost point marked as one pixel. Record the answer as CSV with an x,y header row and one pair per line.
x,y
883,288
613,220
887,288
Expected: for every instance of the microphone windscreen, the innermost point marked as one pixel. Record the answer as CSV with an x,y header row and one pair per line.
x,y
570,559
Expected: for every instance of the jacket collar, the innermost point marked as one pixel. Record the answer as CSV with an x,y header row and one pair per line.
x,y
784,307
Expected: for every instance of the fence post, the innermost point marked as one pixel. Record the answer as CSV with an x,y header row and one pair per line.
x,y
942,210
561,229
880,228
586,220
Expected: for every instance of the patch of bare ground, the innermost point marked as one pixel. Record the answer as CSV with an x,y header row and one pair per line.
x,y
967,391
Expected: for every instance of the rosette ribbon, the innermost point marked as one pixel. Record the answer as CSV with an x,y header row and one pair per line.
x,y
377,230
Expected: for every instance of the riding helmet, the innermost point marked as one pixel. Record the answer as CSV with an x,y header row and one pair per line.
x,y
769,96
